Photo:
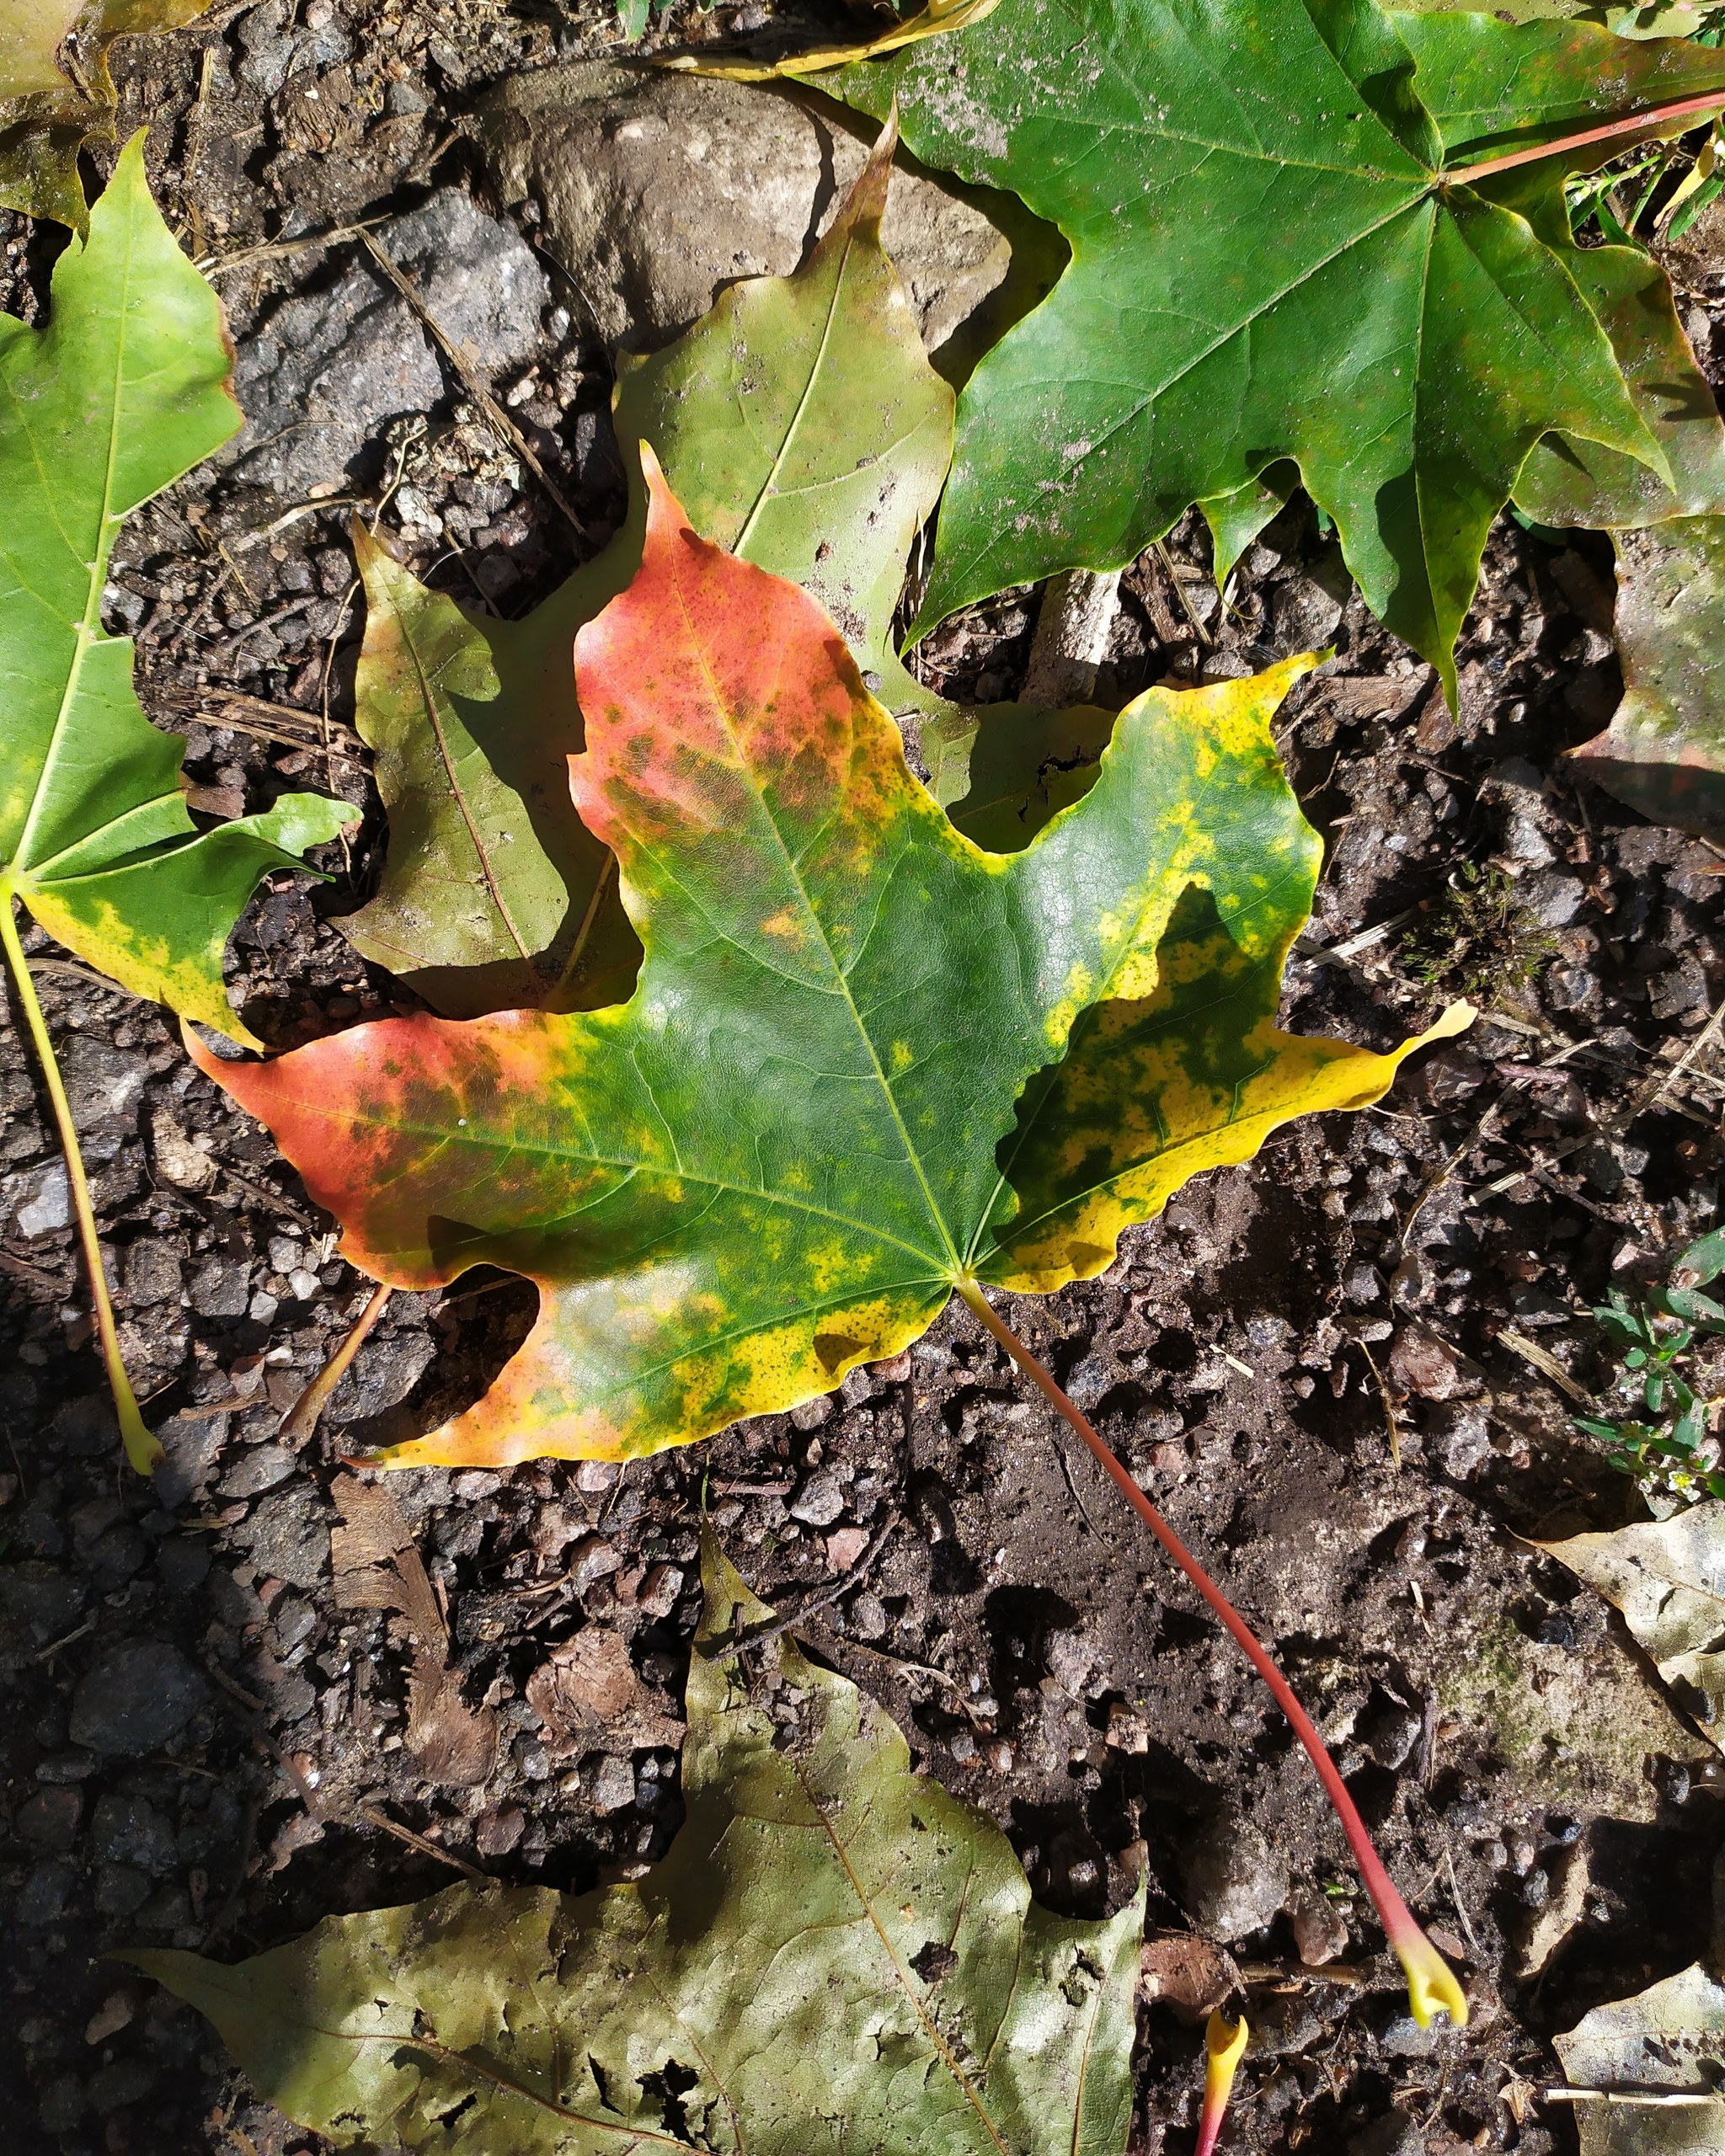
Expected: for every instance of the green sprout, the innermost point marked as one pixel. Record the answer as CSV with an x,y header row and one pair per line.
x,y
1479,938
1673,1454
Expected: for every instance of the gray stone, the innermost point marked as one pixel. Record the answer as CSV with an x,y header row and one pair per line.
x,y
137,1697
287,1535
152,1271
659,189
1684,988
1236,1883
38,1603
192,1444
819,1500
183,1563
122,2081
130,1830
1555,899
62,2103
593,1558
40,1198
46,1891
1458,1437
1307,611
119,1889
326,371
260,1469
384,1373
613,1785
221,1288
100,1080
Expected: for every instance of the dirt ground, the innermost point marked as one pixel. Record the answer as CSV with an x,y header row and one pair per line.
x,y
201,1748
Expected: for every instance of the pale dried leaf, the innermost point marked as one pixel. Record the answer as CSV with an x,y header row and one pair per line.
x,y
1669,2037
589,1690
1667,1577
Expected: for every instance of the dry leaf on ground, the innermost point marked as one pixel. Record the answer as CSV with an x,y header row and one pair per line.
x,y
375,1567
588,1691
835,1953
1667,1577
1670,2037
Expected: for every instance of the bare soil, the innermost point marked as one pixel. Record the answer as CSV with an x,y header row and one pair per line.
x,y
1260,1353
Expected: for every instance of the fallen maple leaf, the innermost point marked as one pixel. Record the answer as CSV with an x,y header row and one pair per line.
x,y
1646,2070
123,390
50,109
835,1952
866,1062
1279,254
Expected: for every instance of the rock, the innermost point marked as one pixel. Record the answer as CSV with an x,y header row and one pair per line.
x,y
1420,1361
152,1271
1235,1881
592,1559
1069,1657
1320,1932
221,1288
866,1617
123,2081
326,371
1684,988
1460,1439
384,1373
1308,609
38,1603
657,189
260,1469
47,1889
657,1594
192,1444
48,1820
40,1199
496,1832
100,1080
820,1499
130,1830
613,1785
137,1697
287,1535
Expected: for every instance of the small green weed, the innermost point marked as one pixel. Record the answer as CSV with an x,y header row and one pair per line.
x,y
1672,1455
1479,938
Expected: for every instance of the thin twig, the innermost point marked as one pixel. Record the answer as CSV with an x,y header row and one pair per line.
x,y
377,1817
211,266
1548,1366
301,1419
499,420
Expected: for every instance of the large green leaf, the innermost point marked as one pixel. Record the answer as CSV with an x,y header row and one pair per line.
x,y
1268,262
47,113
835,1955
123,390
815,1118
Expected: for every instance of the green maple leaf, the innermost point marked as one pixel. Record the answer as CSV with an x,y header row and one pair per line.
x,y
866,1062
1271,260
124,391
835,1954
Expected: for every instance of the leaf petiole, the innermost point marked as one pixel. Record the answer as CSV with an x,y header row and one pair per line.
x,y
141,1449
1431,1983
1634,123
